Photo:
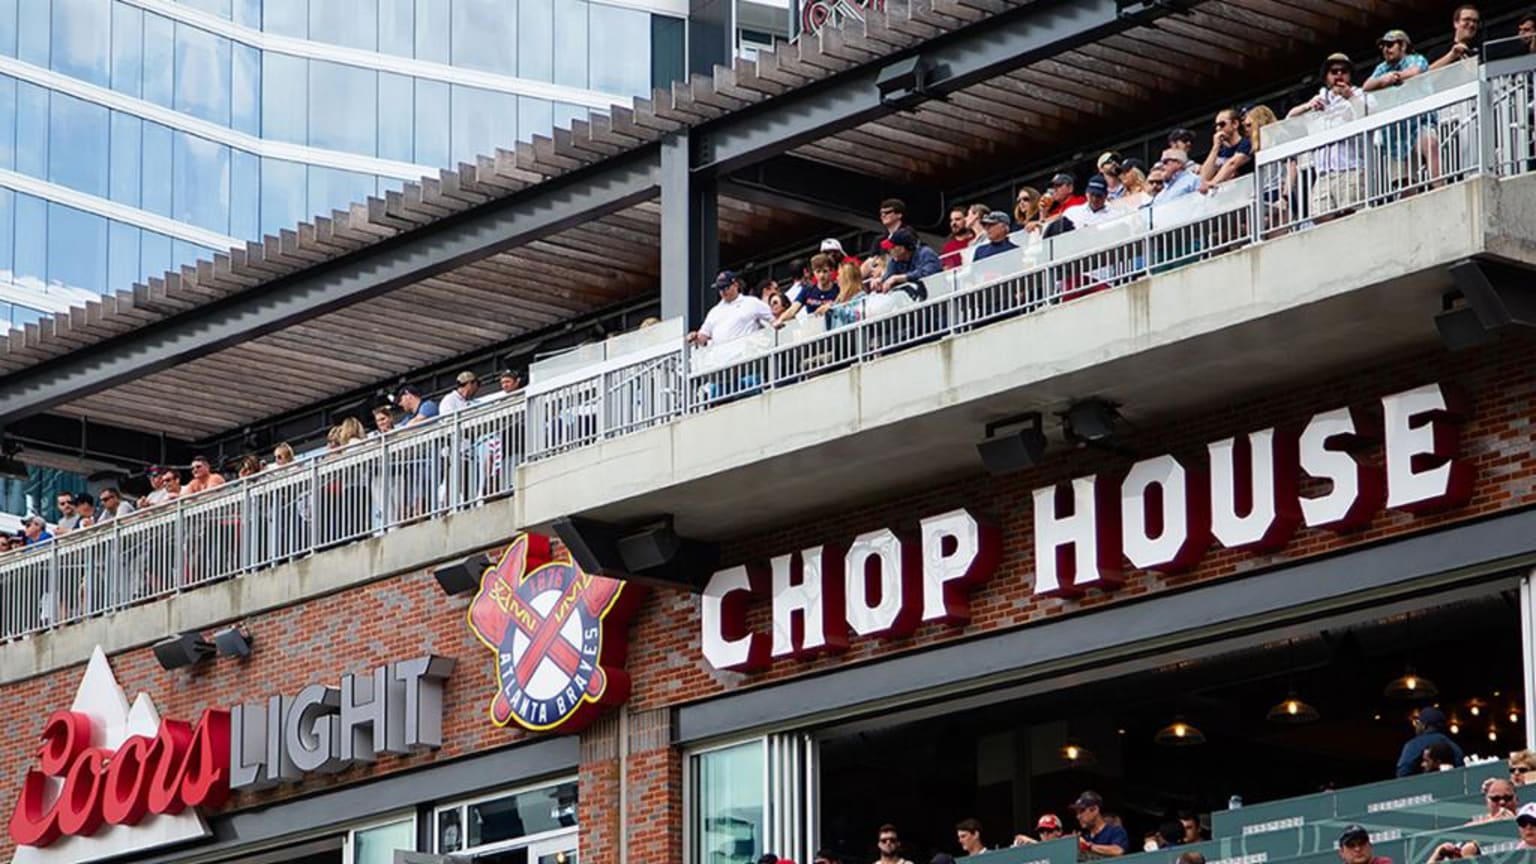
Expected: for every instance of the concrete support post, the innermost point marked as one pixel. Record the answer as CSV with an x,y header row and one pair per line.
x,y
690,237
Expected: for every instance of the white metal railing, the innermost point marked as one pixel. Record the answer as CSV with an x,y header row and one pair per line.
x,y
1477,125
452,463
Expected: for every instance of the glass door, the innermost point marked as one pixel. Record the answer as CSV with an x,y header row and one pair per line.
x,y
560,850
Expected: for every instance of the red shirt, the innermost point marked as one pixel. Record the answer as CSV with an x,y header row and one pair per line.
x,y
1061,206
950,255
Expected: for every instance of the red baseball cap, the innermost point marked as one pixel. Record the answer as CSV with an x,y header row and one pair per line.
x,y
1049,821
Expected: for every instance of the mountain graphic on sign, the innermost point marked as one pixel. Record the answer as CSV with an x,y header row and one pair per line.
x,y
114,721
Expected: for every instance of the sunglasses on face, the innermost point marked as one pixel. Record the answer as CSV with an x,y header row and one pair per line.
x,y
1502,799
1518,769
885,840
1339,70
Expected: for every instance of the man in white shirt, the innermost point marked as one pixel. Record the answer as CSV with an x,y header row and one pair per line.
x,y
1097,210
458,398
735,316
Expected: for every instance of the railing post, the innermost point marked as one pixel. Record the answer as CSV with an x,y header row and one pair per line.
x,y
245,526
56,583
178,545
601,416
117,565
313,541
455,463
1484,126
382,505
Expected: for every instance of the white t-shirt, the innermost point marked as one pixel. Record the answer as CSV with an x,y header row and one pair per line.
x,y
741,317
451,403
1082,215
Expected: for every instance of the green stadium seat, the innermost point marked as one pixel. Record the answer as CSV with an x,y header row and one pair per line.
x,y
1063,851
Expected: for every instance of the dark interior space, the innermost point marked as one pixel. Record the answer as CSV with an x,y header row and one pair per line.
x,y
1009,762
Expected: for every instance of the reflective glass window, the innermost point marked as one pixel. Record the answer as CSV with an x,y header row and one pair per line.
x,y
248,13
484,32
79,145
511,817
7,232
7,122
334,189
154,254
284,98
201,188
621,63
245,91
202,74
244,195
668,61
566,112
122,256
220,8
570,66
482,120
534,117
183,252
378,845
127,138
127,49
283,190
155,188
82,39
31,240
31,129
286,17
432,29
32,31
159,60
343,107
536,39
21,316
730,812
397,27
77,248
8,27
396,116
354,23
432,110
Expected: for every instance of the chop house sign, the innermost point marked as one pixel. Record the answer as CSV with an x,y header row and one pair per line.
x,y
1162,515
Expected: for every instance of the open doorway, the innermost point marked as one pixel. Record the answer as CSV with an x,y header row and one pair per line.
x,y
1006,762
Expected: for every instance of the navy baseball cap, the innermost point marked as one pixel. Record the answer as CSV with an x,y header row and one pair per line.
x,y
1097,186
904,237
1063,179
1353,834
724,280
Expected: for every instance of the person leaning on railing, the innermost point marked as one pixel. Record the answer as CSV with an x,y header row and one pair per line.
x,y
911,262
1398,64
1337,189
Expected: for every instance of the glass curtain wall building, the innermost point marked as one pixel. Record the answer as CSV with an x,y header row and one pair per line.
x,y
139,135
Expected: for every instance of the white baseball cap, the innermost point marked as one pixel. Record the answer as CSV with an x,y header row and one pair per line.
x,y
831,244
1526,813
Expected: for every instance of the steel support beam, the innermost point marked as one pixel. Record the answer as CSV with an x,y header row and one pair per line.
x,y
821,191
493,227
690,231
79,437
965,57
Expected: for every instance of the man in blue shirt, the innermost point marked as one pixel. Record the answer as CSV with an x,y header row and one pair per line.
x,y
1178,182
911,262
996,224
417,409
35,530
1430,726
1416,133
1095,836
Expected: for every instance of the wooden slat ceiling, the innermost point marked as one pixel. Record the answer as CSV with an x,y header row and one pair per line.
x,y
1082,94
1130,80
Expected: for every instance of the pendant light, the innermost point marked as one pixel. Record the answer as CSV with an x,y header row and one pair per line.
x,y
1075,754
1179,733
1410,685
1292,710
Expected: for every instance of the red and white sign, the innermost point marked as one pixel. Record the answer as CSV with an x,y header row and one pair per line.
x,y
880,585
106,763
1162,515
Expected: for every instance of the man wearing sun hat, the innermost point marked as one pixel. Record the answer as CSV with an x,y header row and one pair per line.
x,y
1399,64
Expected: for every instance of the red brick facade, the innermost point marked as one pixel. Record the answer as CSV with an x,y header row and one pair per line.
x,y
408,616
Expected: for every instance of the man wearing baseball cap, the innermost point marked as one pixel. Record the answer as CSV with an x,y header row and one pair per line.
x,y
911,263
1429,728
1095,208
1047,826
1095,836
736,315
1109,166
466,385
1525,820
996,223
1355,847
1397,65
1063,191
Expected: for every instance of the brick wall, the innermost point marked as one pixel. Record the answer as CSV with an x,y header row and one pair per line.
x,y
407,616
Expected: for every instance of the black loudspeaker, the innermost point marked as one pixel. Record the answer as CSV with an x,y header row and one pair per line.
x,y
594,545
186,649
1013,451
905,80
1501,295
462,577
1460,329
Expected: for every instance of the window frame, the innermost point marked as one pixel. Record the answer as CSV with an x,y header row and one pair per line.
x,y
462,805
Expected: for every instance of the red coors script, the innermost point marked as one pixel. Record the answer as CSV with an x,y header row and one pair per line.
x,y
180,767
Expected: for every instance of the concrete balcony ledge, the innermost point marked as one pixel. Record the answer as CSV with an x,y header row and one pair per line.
x,y
403,550
1362,287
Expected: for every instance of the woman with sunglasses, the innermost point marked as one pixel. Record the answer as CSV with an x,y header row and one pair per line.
x,y
1522,767
1231,151
1026,207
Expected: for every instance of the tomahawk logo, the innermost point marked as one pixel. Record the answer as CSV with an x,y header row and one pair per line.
x,y
559,635
114,779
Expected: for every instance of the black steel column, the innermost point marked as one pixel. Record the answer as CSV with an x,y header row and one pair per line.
x,y
690,232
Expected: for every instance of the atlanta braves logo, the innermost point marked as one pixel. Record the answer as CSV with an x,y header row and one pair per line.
x,y
559,636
